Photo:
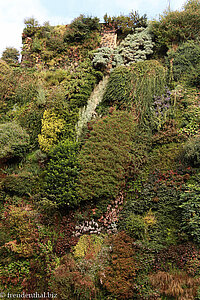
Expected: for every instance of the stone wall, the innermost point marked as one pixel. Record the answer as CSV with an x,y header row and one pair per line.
x,y
109,39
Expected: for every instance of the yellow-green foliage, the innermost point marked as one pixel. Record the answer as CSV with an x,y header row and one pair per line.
x,y
60,29
52,125
88,246
164,157
149,219
19,220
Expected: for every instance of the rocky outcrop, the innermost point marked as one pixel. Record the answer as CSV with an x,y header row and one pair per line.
x,y
109,39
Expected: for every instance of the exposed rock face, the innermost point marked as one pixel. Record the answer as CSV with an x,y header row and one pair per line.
x,y
109,39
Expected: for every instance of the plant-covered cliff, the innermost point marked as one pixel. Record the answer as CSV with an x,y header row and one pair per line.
x,y
100,157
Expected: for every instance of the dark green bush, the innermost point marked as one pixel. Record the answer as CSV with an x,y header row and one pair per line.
x,y
60,180
14,140
135,226
81,83
20,184
107,156
175,27
80,29
126,24
190,211
118,90
11,55
185,62
191,152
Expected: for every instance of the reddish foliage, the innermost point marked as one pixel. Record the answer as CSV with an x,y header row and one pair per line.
x,y
69,283
172,178
179,256
168,134
118,277
66,239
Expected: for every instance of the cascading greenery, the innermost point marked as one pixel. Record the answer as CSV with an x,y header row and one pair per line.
x,y
135,88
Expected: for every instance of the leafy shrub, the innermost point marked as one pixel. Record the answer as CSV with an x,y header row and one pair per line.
x,y
175,27
10,55
191,152
68,281
118,90
29,239
61,175
107,155
29,116
64,228
56,77
19,221
185,63
13,274
159,192
7,87
59,46
52,126
118,277
55,42
14,140
31,25
135,226
176,257
138,226
23,183
88,246
80,28
188,113
193,78
26,86
167,134
126,24
190,205
18,87
5,68
56,103
163,107
81,83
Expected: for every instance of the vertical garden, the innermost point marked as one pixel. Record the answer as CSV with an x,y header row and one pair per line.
x,y
111,210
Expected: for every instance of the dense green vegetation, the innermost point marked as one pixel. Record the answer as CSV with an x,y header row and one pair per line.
x,y
112,211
